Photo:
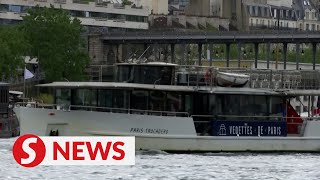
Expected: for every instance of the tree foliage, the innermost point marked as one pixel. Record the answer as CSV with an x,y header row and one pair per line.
x,y
13,46
126,2
56,40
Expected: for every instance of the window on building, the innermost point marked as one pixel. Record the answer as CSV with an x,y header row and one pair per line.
x,y
14,8
305,98
313,27
4,7
298,109
307,15
307,27
266,12
305,109
251,22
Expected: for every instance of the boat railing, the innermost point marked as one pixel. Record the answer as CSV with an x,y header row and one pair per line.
x,y
129,111
35,104
238,118
259,78
101,109
253,118
193,75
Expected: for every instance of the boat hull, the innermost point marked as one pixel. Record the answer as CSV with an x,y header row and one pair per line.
x,y
171,134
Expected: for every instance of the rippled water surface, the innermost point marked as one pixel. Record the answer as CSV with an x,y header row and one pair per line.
x,y
160,165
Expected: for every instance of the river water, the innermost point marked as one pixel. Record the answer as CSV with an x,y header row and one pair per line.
x,y
161,165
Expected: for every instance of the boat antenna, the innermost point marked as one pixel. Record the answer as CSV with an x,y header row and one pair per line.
x,y
144,52
155,82
133,54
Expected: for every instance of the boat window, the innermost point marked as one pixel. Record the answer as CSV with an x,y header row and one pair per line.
x,y
139,100
84,97
157,100
63,97
3,95
213,105
261,109
276,106
232,103
232,107
105,98
188,104
3,100
201,106
174,102
247,106
120,99
161,74
145,74
125,74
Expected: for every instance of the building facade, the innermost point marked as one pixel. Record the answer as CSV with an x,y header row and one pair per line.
x,y
92,14
180,4
155,7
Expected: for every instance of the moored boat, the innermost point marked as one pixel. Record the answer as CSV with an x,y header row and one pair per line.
x,y
9,125
146,102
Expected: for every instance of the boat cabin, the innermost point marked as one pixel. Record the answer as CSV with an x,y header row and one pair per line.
x,y
152,89
9,125
146,73
4,100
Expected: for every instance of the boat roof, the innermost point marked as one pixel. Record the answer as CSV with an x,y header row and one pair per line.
x,y
16,92
147,64
4,84
305,92
114,85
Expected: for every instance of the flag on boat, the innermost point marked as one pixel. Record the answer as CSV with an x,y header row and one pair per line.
x,y
27,74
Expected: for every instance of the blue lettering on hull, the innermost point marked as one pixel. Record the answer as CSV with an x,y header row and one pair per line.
x,y
245,128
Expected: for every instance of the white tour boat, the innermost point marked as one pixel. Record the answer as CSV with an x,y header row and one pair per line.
x,y
148,101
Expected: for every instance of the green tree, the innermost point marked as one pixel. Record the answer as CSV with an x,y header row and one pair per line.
x,y
126,2
56,40
13,46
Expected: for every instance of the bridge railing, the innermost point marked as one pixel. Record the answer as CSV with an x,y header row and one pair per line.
x,y
203,33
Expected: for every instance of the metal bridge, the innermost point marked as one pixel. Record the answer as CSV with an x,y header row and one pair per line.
x,y
211,37
227,38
